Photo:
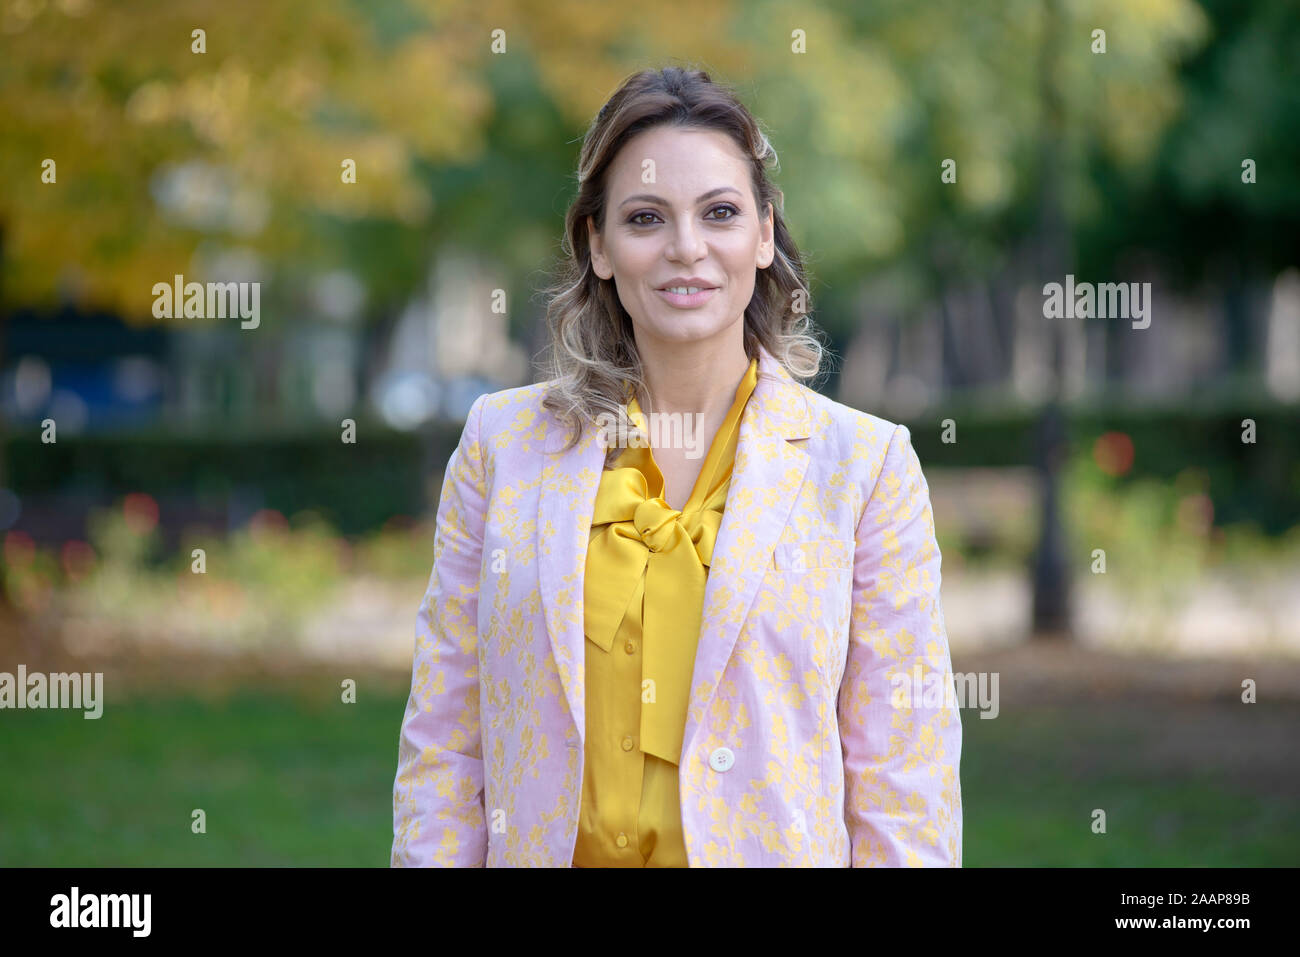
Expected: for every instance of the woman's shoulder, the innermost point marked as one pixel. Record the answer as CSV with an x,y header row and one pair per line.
x,y
861,444
510,418
844,423
513,399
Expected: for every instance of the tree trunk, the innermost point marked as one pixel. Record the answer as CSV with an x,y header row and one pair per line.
x,y
1051,607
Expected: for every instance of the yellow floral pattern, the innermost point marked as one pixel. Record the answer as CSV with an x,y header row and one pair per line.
x,y
824,587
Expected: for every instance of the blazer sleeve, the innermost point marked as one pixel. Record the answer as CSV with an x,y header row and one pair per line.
x,y
438,816
902,754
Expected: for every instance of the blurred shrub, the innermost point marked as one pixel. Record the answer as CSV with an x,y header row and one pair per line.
x,y
1158,532
357,487
255,587
1258,484
402,550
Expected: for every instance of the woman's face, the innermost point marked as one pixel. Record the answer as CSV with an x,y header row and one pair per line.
x,y
694,218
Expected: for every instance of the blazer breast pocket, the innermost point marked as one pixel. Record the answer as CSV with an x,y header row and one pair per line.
x,y
806,556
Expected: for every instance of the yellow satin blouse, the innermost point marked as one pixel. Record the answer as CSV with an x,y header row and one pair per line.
x,y
647,565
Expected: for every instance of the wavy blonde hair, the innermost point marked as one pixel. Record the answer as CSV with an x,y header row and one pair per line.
x,y
592,359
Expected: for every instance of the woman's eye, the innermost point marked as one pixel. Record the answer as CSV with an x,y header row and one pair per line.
x,y
636,220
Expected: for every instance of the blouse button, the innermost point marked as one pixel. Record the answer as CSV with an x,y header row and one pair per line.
x,y
628,742
622,839
722,759
630,648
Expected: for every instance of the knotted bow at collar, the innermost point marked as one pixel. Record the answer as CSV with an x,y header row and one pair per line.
x,y
641,546
639,534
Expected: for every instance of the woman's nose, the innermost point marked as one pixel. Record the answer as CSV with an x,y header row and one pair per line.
x,y
688,243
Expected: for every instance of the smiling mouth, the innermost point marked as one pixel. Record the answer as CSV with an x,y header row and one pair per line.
x,y
685,290
687,299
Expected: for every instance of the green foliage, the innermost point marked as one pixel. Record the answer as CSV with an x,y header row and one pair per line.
x,y
257,587
355,487
1254,483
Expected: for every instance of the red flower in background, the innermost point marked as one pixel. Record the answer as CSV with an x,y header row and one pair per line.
x,y
19,549
268,522
1113,453
141,512
78,559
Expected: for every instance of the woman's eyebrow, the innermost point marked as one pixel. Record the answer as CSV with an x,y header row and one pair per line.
x,y
650,198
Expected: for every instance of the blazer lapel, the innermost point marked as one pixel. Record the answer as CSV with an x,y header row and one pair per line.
x,y
566,498
767,474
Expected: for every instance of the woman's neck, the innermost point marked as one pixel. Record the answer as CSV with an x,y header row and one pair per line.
x,y
696,378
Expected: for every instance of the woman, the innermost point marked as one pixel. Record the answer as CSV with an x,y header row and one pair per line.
x,y
695,647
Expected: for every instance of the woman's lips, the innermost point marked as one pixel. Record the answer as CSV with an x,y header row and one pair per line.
x,y
688,301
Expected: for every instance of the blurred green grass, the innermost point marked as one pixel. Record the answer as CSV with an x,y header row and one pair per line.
x,y
1031,779
284,779
299,778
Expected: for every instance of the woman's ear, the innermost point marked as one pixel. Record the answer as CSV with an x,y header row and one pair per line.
x,y
767,242
599,263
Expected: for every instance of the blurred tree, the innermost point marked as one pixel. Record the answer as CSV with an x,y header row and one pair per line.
x,y
163,152
158,146
451,139
1189,203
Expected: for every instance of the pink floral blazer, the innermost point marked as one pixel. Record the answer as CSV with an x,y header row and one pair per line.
x,y
822,600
